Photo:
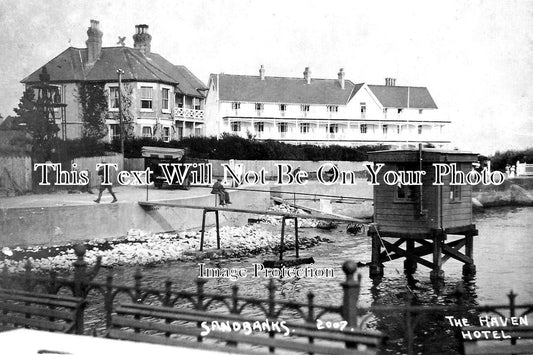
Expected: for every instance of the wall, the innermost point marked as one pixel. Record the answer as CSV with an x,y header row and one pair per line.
x,y
271,170
60,224
15,174
89,163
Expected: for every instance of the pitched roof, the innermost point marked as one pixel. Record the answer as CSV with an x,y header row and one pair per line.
x,y
283,90
396,96
71,66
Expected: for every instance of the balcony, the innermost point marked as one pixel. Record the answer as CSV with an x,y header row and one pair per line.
x,y
187,113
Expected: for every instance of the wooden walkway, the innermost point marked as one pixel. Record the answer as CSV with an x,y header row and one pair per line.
x,y
284,216
260,212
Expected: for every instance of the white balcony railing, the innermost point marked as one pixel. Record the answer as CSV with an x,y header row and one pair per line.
x,y
188,113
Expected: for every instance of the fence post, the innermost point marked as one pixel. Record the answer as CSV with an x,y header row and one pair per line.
x,y
512,309
27,277
311,312
351,289
80,271
108,298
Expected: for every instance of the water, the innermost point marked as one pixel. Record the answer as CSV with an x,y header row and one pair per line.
x,y
502,254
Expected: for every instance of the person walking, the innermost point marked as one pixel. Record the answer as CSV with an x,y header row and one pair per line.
x,y
103,187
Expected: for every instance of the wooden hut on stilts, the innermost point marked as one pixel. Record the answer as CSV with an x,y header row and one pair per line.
x,y
413,221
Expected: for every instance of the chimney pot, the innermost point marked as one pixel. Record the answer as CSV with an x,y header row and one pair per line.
x,y
341,75
307,75
390,82
262,72
142,39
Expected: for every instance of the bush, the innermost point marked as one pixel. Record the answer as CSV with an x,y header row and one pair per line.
x,y
234,147
509,157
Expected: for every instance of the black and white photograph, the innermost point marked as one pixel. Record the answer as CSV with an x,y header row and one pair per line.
x,y
266,177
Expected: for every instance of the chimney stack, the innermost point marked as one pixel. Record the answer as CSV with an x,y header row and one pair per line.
x,y
262,72
142,39
390,82
94,42
307,75
341,78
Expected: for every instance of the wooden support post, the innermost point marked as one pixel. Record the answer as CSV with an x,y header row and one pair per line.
x,y
297,243
203,231
469,269
376,268
437,274
282,238
409,264
218,229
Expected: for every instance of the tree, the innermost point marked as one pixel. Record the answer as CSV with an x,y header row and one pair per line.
x,y
35,117
93,101
128,119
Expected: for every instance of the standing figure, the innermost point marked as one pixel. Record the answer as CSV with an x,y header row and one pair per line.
x,y
223,195
102,187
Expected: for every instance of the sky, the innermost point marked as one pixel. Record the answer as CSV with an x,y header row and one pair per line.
x,y
475,57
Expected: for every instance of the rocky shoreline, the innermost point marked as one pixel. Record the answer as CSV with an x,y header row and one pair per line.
x,y
141,248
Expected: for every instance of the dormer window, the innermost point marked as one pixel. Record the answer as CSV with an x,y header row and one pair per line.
x,y
259,106
283,107
304,108
235,105
333,108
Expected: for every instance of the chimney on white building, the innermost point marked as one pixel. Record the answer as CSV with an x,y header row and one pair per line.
x,y
307,75
341,78
390,82
262,72
94,42
142,39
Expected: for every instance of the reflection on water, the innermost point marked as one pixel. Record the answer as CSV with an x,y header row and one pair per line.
x,y
502,254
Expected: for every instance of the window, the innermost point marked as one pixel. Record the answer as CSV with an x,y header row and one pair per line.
x,y
363,128
385,129
455,193
283,107
115,132
113,97
399,130
283,127
165,93
304,108
406,193
332,108
305,127
385,112
196,103
420,111
235,126
147,132
333,128
419,129
400,110
146,97
259,127
259,106
235,105
166,134
363,109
